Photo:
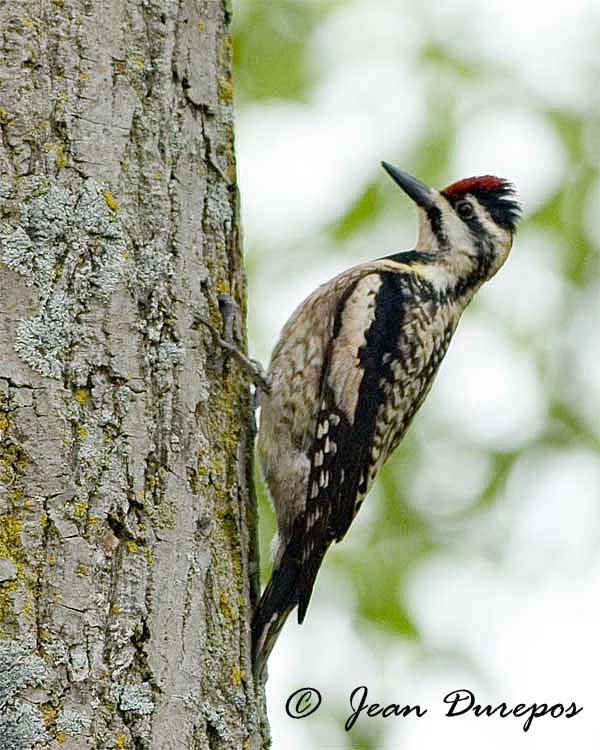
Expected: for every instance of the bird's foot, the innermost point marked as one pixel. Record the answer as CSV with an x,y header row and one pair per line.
x,y
255,371
228,308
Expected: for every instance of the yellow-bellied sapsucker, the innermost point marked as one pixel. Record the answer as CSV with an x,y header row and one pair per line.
x,y
353,365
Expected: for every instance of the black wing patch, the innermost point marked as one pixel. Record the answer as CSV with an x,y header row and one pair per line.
x,y
342,451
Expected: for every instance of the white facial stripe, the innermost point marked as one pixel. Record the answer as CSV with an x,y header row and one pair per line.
x,y
484,217
459,233
426,239
501,237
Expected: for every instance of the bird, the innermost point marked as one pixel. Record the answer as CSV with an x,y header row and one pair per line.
x,y
353,365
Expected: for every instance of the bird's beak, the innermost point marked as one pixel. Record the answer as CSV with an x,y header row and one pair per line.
x,y
421,193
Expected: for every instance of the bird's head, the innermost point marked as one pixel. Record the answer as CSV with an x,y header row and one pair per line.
x,y
468,225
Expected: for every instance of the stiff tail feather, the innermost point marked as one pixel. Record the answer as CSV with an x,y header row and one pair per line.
x,y
278,600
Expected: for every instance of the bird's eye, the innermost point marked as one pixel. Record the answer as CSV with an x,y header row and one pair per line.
x,y
465,210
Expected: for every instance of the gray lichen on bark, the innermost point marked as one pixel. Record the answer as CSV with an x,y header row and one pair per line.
x,y
21,724
126,502
70,248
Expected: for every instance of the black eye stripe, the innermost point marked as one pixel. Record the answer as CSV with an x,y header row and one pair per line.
x,y
437,225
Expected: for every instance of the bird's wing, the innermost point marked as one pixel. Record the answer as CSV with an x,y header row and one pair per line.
x,y
363,371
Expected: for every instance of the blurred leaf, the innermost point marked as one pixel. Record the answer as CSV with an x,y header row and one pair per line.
x,y
443,59
548,214
399,539
367,733
568,429
564,213
569,130
266,525
270,39
433,152
360,213
501,466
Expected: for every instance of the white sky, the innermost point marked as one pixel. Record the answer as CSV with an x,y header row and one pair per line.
x,y
514,614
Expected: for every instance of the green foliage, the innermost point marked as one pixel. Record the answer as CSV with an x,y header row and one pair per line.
x,y
270,48
361,213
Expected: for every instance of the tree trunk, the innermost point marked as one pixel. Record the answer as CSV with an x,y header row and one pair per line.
x,y
127,512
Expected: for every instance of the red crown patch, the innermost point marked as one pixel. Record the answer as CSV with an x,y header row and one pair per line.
x,y
486,182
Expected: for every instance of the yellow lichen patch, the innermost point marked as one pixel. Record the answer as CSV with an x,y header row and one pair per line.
x,y
230,172
139,61
237,675
222,286
82,395
59,150
102,69
227,408
80,509
111,201
58,4
6,603
13,461
10,537
227,610
226,91
148,555
236,566
81,570
60,737
82,431
49,714
83,76
132,546
4,421
61,159
28,23
115,609
201,25
120,740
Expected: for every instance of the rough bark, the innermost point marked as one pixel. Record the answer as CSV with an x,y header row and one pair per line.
x,y
126,501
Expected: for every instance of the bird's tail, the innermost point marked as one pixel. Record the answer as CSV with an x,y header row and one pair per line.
x,y
278,600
